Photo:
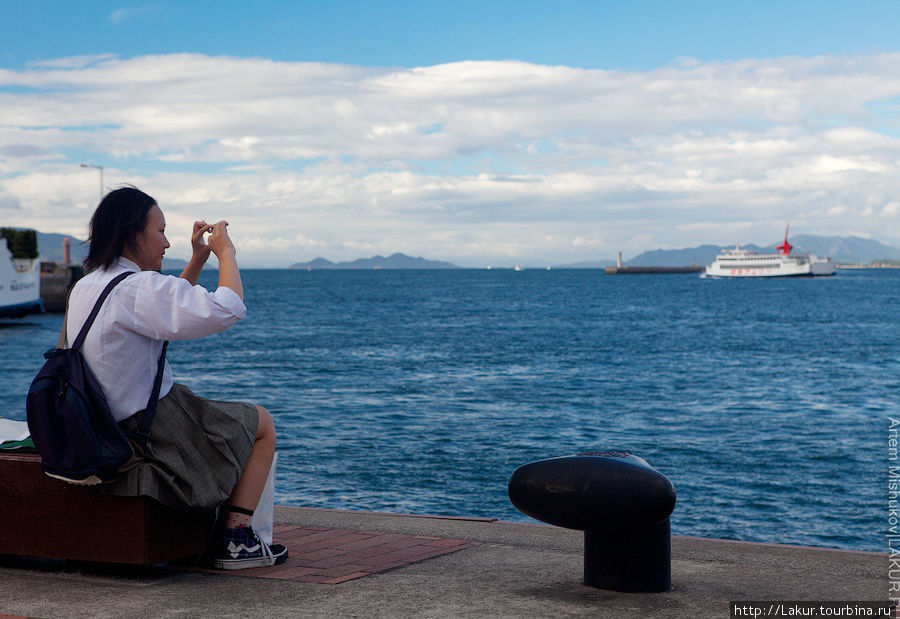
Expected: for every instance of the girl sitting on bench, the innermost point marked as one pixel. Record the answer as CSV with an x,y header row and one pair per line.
x,y
201,453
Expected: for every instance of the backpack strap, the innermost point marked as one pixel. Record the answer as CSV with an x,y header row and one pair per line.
x,y
143,432
90,319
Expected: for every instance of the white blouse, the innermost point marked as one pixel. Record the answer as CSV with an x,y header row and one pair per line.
x,y
123,345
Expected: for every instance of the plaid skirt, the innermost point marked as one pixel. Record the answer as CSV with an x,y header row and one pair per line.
x,y
196,452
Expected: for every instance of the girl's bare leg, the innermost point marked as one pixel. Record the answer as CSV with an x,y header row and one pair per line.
x,y
253,479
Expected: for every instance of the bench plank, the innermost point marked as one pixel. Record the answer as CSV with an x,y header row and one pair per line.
x,y
45,517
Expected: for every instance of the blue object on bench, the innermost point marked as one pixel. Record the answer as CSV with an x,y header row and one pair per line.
x,y
620,502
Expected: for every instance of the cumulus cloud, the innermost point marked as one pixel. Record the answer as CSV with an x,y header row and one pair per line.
x,y
9,203
473,162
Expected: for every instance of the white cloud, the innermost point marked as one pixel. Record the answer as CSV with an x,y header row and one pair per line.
x,y
9,203
469,161
829,165
133,12
71,62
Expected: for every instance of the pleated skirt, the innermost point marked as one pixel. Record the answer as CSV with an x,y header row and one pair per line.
x,y
196,452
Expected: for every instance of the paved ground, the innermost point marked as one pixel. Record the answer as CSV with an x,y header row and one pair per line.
x,y
386,565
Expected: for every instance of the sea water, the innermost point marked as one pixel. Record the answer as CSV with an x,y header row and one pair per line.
x,y
767,403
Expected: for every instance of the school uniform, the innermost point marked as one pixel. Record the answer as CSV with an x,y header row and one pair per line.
x,y
197,447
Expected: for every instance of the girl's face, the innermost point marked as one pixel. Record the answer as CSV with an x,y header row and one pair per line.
x,y
151,243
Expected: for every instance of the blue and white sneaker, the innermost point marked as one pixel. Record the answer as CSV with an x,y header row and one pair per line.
x,y
241,548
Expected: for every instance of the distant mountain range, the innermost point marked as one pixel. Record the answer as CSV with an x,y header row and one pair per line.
x,y
394,261
846,250
592,264
50,247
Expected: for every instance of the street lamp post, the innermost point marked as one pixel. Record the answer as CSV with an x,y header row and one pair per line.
x,y
98,167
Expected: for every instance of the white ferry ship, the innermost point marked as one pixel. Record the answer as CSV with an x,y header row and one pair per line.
x,y
20,285
739,262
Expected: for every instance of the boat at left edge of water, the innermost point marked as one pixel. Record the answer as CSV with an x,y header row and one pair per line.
x,y
20,284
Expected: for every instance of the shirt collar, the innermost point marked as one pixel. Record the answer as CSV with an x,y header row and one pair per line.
x,y
124,264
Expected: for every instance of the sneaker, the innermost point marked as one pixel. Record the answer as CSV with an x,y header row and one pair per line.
x,y
241,548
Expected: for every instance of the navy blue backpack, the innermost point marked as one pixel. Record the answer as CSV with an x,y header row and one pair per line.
x,y
70,422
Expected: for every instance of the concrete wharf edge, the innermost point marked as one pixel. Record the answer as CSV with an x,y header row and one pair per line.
x,y
515,570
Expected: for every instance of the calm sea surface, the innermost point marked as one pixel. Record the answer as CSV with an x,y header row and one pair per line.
x,y
767,403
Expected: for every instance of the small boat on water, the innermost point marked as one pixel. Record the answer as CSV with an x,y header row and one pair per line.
x,y
20,284
739,262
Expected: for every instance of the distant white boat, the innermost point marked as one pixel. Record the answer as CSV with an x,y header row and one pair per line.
x,y
20,285
739,262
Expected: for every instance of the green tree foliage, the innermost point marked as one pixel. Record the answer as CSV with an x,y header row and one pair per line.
x,y
21,243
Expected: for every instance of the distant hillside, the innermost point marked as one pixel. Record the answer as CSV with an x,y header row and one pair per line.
x,y
702,255
847,250
394,261
177,264
597,264
50,247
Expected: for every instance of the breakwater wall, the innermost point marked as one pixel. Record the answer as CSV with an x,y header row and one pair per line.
x,y
623,270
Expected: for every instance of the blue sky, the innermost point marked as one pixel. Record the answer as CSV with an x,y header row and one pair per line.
x,y
599,34
477,132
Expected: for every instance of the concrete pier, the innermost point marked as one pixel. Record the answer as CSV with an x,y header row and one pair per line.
x,y
475,568
56,280
623,270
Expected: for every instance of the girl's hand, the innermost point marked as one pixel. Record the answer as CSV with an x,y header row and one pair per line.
x,y
200,252
199,246
219,240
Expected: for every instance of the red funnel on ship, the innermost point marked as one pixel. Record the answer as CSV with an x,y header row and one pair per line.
x,y
785,247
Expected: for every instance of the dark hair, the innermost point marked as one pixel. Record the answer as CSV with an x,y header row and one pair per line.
x,y
115,225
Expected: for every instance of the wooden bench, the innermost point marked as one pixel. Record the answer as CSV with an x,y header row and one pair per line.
x,y
45,517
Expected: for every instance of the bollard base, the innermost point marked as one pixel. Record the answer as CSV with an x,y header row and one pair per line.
x,y
631,560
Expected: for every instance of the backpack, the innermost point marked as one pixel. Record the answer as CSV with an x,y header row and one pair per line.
x,y
71,425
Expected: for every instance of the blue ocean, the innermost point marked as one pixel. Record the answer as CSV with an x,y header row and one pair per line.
x,y
767,403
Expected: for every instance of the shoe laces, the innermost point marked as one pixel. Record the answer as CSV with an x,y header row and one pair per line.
x,y
268,555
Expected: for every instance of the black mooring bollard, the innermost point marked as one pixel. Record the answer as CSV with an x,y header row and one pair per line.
x,y
620,502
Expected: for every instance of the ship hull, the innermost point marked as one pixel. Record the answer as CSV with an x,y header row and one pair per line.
x,y
20,285
774,265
